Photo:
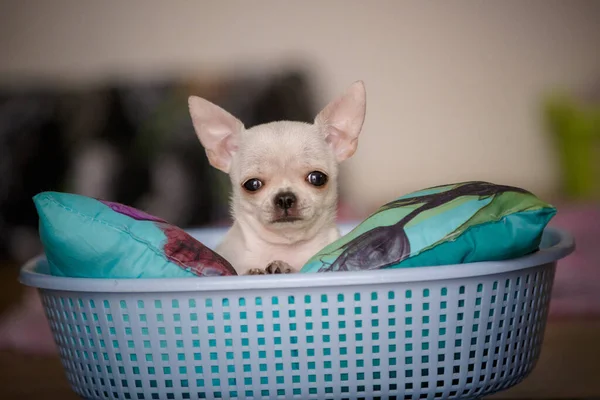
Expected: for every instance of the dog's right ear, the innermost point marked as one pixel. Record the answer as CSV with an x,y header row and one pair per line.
x,y
217,130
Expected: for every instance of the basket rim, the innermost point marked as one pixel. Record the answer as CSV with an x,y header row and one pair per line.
x,y
556,244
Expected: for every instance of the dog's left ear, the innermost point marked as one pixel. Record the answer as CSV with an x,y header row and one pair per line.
x,y
342,120
217,130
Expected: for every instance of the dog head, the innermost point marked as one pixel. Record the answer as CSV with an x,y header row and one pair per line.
x,y
283,174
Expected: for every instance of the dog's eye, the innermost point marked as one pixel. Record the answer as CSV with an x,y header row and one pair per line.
x,y
252,185
317,178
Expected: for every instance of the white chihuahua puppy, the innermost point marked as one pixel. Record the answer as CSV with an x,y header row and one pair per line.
x,y
284,180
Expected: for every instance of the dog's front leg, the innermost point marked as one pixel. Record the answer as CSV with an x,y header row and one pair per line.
x,y
256,271
274,267
278,267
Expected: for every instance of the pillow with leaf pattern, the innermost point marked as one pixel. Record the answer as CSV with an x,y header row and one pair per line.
x,y
451,224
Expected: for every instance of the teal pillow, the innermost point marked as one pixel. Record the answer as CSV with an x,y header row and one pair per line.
x,y
89,238
452,224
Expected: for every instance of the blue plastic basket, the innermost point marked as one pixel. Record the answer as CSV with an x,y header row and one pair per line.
x,y
449,332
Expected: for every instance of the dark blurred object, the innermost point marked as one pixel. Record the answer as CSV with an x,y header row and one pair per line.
x,y
575,123
129,143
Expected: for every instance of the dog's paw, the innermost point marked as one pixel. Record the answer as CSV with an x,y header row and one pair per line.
x,y
278,267
256,271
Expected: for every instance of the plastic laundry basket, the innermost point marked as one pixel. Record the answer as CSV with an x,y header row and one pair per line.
x,y
460,331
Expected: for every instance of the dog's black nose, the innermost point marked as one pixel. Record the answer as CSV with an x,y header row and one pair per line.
x,y
285,200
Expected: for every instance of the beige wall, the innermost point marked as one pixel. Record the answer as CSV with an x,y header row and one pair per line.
x,y
453,87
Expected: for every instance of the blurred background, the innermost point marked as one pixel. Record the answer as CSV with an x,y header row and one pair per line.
x,y
93,100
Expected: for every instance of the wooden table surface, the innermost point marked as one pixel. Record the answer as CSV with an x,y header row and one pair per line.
x,y
569,367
